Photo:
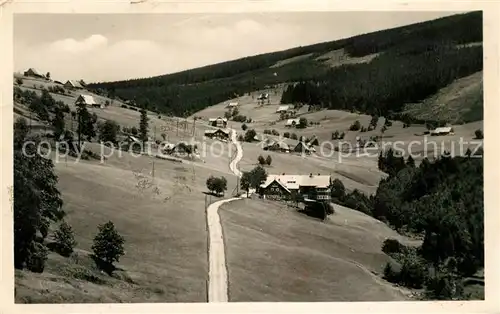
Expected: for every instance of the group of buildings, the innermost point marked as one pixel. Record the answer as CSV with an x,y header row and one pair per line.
x,y
288,187
283,147
70,84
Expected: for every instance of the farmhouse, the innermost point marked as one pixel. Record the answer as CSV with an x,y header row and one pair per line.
x,y
302,147
232,105
86,100
292,122
263,96
282,109
33,73
442,131
218,122
218,134
279,146
71,84
285,187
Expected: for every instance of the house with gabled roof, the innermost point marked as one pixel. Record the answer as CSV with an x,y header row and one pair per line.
x,y
442,131
72,84
309,187
218,134
218,122
303,147
33,73
86,100
283,108
292,122
278,145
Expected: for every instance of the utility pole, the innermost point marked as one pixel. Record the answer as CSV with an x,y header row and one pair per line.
x,y
177,132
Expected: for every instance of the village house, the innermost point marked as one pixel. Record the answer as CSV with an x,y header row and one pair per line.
x,y
33,73
218,122
303,147
232,105
219,134
279,146
283,109
87,100
292,122
442,131
71,84
286,187
263,96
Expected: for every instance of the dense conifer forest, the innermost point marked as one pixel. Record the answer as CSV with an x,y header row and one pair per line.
x,y
414,61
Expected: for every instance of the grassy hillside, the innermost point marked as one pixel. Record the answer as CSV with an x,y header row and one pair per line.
x,y
360,57
332,261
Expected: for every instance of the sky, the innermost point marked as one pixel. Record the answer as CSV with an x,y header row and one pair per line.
x,y
109,47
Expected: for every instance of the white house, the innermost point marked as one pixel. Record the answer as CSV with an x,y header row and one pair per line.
x,y
292,122
232,105
87,100
218,122
73,84
442,131
263,96
282,109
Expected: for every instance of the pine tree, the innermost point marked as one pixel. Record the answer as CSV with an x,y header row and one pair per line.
x,y
108,246
410,162
58,123
65,239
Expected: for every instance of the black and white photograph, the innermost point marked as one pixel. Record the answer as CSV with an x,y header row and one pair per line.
x,y
327,156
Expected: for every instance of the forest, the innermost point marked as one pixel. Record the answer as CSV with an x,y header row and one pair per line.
x,y
406,51
390,81
439,201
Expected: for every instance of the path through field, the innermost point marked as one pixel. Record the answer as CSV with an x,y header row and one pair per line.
x,y
217,273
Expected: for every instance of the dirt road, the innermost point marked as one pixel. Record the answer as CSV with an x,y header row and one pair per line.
x,y
217,276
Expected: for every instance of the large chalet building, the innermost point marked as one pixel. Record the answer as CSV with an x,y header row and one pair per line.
x,y
287,187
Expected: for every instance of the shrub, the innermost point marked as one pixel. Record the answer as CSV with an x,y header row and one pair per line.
x,y
108,246
274,132
294,136
338,190
479,134
124,106
19,81
335,135
269,160
392,246
266,131
250,135
261,160
286,135
342,136
239,118
134,131
37,257
356,126
65,239
302,123
390,274
244,127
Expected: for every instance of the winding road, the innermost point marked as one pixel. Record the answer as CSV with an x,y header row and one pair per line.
x,y
217,274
